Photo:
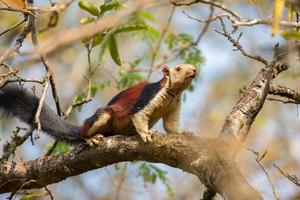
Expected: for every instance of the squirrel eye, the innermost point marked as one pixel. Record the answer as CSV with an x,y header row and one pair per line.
x,y
178,69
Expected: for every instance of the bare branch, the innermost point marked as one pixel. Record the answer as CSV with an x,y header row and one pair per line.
x,y
49,73
18,43
237,44
39,109
293,178
284,101
205,28
245,22
212,3
258,159
10,147
57,8
286,92
240,119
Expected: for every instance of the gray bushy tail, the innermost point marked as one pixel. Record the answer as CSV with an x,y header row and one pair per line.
x,y
21,103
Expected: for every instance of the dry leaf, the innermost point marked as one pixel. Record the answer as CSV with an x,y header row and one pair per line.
x,y
17,4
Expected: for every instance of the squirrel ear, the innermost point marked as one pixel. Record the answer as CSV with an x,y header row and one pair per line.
x,y
166,70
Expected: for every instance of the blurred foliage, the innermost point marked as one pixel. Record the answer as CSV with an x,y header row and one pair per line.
x,y
128,79
61,147
150,173
184,45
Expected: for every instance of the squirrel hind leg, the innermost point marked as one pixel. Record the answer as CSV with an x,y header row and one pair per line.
x,y
95,125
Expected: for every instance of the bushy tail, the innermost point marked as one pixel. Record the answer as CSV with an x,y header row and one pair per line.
x,y
19,102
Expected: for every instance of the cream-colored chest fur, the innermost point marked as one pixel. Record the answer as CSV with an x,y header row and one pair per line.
x,y
160,106
163,105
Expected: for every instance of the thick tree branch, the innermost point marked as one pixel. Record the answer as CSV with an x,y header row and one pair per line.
x,y
240,119
206,158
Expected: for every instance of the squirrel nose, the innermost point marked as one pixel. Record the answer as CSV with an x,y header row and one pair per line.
x,y
194,71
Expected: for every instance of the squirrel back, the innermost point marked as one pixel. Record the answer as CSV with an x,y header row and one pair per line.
x,y
19,102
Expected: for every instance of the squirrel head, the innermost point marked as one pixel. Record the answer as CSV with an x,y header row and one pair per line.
x,y
179,77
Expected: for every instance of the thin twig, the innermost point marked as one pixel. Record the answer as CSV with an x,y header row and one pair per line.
x,y
39,109
10,147
13,26
212,3
121,181
57,8
238,46
258,159
17,10
293,178
18,43
285,92
46,64
164,31
205,26
49,193
282,100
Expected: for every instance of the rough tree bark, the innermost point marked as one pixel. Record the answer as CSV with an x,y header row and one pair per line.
x,y
206,158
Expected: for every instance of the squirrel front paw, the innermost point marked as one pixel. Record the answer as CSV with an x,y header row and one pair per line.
x,y
147,137
95,140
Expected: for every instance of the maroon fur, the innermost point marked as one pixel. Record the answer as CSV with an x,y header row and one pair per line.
x,y
121,106
123,103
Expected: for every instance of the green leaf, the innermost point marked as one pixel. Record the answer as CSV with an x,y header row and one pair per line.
x,y
152,33
87,6
146,15
108,7
136,62
98,39
86,20
104,43
94,88
113,49
129,28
